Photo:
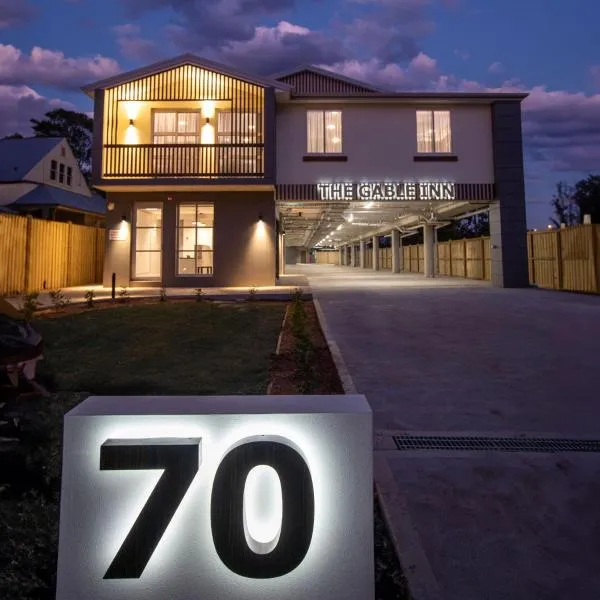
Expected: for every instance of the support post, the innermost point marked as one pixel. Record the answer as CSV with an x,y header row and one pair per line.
x,y
396,251
113,286
428,250
342,251
353,255
375,253
363,249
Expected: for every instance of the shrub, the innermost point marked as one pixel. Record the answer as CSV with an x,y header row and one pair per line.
x,y
124,294
162,297
89,298
252,294
199,294
30,305
58,299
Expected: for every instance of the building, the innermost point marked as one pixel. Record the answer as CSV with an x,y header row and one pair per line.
x,y
217,177
40,176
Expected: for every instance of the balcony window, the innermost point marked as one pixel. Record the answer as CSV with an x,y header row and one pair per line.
x,y
324,131
434,135
148,240
195,223
176,127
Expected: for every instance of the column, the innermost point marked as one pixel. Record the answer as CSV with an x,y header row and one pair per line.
x,y
375,253
396,251
429,250
508,230
363,249
353,255
342,251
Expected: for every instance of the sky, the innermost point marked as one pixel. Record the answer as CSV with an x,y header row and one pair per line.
x,y
548,48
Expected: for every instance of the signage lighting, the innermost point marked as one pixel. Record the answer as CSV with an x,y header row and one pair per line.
x,y
243,498
387,191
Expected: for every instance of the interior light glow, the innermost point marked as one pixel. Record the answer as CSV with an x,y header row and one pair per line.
x,y
207,134
208,109
336,140
262,509
331,126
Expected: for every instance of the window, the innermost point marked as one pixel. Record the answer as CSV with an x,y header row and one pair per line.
x,y
434,132
148,240
324,131
61,172
195,224
238,128
69,175
53,167
176,127
63,152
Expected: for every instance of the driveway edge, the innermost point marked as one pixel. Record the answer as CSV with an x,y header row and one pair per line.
x,y
340,363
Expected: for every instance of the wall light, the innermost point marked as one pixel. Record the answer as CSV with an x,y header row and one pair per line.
x,y
132,109
124,219
260,218
208,109
110,205
207,135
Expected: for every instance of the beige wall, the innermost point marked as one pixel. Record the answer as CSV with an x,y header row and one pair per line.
x,y
41,172
244,249
380,141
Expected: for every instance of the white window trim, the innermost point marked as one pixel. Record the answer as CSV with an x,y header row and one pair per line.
x,y
435,152
134,230
177,250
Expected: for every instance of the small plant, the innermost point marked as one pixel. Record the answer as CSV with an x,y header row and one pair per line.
x,y
124,294
162,297
297,295
252,294
30,305
89,298
199,294
58,299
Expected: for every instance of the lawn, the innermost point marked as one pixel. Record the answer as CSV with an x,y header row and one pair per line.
x,y
195,348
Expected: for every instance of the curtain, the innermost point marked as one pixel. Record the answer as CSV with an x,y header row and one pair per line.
x,y
333,131
425,131
443,134
315,132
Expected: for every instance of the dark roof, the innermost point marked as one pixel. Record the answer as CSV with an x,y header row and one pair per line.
x,y
5,209
19,156
178,61
47,195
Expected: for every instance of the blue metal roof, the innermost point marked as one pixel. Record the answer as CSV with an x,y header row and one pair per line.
x,y
19,156
48,195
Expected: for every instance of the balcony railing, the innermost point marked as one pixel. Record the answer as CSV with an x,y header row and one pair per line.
x,y
209,161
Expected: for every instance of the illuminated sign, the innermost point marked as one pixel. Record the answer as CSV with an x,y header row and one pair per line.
x,y
387,191
240,497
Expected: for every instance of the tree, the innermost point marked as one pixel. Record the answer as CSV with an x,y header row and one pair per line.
x,y
470,227
76,127
587,197
565,207
13,136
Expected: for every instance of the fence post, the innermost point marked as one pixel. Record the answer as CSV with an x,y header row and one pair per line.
x,y
594,258
69,246
530,247
559,264
27,274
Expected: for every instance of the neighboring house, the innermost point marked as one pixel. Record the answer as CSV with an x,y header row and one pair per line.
x,y
212,173
40,176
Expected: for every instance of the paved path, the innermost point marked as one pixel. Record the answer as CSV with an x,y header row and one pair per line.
x,y
454,357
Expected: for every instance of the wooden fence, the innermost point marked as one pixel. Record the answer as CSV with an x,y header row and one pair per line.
x,y
37,254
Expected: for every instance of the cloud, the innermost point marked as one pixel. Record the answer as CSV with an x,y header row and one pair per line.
x,y
18,104
133,45
496,67
52,68
15,12
463,54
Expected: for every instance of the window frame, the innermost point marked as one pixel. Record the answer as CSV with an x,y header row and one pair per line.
x,y
176,134
323,112
69,178
53,170
211,271
134,229
434,152
61,173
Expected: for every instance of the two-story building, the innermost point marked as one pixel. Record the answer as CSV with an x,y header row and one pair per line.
x,y
212,173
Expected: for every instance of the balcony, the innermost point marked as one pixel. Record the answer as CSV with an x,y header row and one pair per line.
x,y
198,161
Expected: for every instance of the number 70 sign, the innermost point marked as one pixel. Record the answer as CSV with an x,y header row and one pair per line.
x,y
217,498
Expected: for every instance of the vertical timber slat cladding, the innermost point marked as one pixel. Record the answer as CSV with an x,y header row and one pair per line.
x,y
308,83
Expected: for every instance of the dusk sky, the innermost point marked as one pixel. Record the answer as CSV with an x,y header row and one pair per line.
x,y
550,48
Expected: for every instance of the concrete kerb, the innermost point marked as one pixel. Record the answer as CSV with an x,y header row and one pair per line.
x,y
417,569
340,363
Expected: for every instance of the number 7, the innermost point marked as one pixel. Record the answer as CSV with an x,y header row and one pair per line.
x,y
179,459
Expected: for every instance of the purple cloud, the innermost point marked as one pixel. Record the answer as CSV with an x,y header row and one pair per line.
x,y
133,45
52,68
15,12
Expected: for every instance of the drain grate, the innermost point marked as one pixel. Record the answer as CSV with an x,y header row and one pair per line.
x,y
497,444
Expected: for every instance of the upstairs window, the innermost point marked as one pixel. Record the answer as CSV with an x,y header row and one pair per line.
x,y
69,175
176,127
61,173
53,167
434,135
324,131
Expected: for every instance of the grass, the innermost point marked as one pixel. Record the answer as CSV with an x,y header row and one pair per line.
x,y
193,348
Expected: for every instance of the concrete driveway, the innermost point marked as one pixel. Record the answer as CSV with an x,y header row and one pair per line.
x,y
455,358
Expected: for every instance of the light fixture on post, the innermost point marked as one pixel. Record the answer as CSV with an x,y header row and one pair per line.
x,y
260,218
124,219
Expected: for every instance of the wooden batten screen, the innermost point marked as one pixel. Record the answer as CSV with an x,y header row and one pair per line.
x,y
38,254
327,257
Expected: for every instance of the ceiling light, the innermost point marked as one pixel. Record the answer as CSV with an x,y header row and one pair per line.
x,y
369,205
339,227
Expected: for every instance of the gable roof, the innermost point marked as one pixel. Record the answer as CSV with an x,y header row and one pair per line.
x,y
312,80
19,156
180,61
48,195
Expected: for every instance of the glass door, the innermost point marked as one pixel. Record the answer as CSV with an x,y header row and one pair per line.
x,y
148,240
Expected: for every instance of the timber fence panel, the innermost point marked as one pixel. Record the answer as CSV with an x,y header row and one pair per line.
x,y
13,253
